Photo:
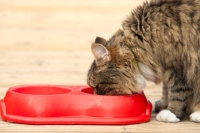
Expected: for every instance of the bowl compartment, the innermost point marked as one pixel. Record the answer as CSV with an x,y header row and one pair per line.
x,y
36,101
87,90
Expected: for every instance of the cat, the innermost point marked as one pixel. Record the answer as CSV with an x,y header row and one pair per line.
x,y
160,42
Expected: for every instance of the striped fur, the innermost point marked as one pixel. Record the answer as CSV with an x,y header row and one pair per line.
x,y
163,37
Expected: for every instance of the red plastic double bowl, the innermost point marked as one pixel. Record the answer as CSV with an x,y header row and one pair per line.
x,y
51,104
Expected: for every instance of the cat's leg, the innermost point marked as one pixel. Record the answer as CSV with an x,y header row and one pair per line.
x,y
163,102
178,93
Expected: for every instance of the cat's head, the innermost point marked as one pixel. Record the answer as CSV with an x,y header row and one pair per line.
x,y
115,69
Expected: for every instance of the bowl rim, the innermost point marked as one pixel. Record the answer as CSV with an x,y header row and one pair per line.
x,y
13,88
77,90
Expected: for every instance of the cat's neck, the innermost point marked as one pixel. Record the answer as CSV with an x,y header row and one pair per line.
x,y
143,59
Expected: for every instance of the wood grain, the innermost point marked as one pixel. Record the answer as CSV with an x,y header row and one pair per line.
x,y
48,42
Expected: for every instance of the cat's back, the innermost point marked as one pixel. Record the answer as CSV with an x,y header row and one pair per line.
x,y
165,22
168,29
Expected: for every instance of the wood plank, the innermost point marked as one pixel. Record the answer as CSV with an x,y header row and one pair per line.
x,y
33,24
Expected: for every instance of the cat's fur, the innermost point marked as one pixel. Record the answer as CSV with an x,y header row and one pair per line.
x,y
160,41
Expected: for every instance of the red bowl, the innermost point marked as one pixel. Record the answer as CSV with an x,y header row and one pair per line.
x,y
50,104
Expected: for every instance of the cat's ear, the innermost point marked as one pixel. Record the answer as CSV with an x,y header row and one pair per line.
x,y
101,54
100,40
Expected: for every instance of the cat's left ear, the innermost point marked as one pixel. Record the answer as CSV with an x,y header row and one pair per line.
x,y
100,52
100,40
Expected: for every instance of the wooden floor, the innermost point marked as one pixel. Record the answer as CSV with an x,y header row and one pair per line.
x,y
48,42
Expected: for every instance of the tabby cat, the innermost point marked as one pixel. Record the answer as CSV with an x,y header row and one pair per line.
x,y
159,42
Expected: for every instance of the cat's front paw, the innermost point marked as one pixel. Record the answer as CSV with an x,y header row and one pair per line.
x,y
195,117
167,116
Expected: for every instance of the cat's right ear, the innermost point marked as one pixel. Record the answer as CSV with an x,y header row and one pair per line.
x,y
101,54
